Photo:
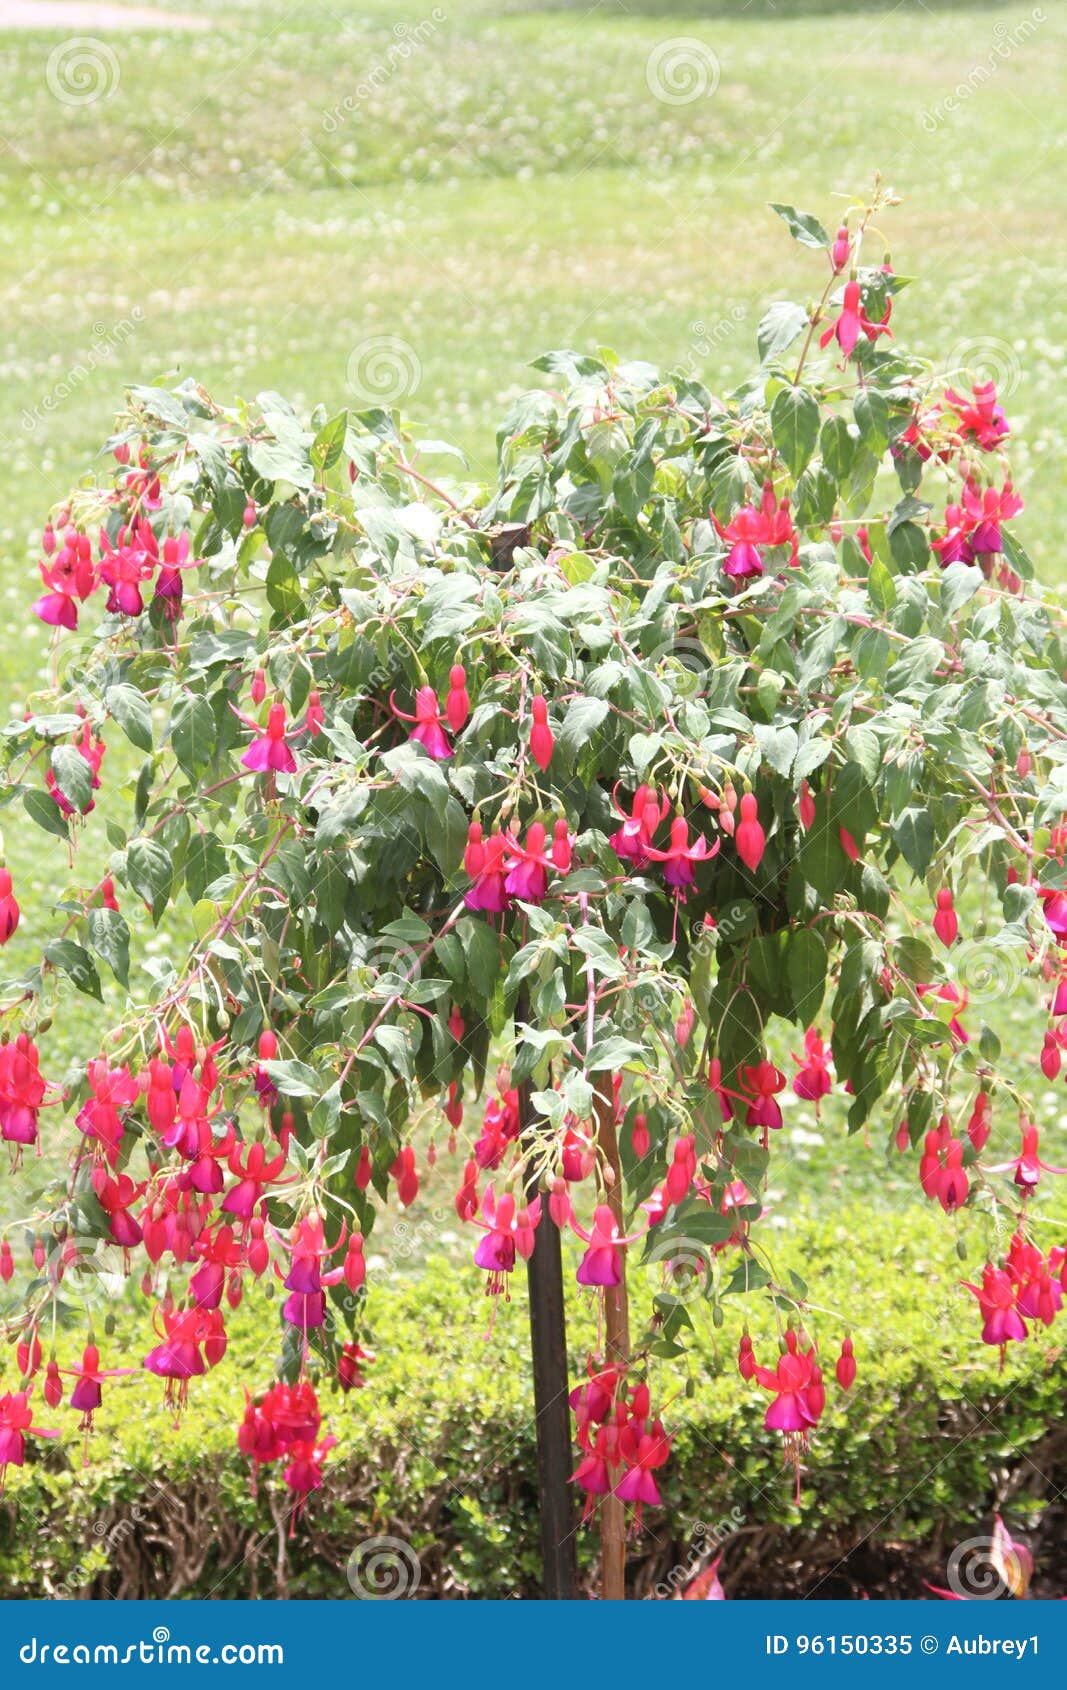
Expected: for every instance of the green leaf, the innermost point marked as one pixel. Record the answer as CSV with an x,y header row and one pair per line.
x,y
913,835
806,965
150,872
583,718
193,734
74,777
132,712
329,443
795,425
110,938
294,1079
77,964
802,225
781,325
881,587
205,861
42,808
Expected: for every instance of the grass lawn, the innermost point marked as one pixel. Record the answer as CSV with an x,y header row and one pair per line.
x,y
323,199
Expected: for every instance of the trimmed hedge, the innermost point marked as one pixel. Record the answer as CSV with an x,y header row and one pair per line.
x,y
438,1451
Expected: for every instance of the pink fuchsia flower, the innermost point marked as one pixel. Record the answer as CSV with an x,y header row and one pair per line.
x,y
754,528
749,836
633,841
16,1425
981,418
489,891
9,910
679,857
1027,1167
812,1081
269,750
705,1587
986,511
527,876
170,587
457,704
799,1397
839,252
852,321
429,729
1002,1323
643,1450
946,922
602,1263
509,1232
125,567
542,742
1054,904
1038,1282
87,1394
178,1358
806,807
70,576
760,1083
255,1172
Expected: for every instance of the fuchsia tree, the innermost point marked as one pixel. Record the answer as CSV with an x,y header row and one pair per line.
x,y
713,728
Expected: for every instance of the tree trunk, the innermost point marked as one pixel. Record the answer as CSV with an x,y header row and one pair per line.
x,y
548,1345
617,1349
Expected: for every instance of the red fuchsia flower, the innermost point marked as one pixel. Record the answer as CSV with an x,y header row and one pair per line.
x,y
602,1263
406,1175
457,704
258,688
178,1358
981,418
852,321
350,1366
429,723
813,1081
267,1050
1038,1282
559,1203
950,994
591,1474
7,1263
799,1397
23,1091
125,567
255,1172
16,1426
640,1141
760,1084
70,576
749,836
981,1121
170,587
746,1360
489,891
643,1450
845,1368
269,750
500,1125
753,529
508,1232
706,1586
840,249
527,877
1054,906
941,1171
954,545
218,1252
303,1473
314,715
986,512
1002,1323
53,1384
683,1168
1027,1167
107,893
116,1198
848,845
87,1394
633,841
562,852
946,922
806,807
542,742
354,1267
9,910
679,857
593,1401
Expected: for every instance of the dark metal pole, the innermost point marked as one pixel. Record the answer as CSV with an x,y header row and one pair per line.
x,y
548,1345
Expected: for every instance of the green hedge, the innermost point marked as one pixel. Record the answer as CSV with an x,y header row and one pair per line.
x,y
438,1451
